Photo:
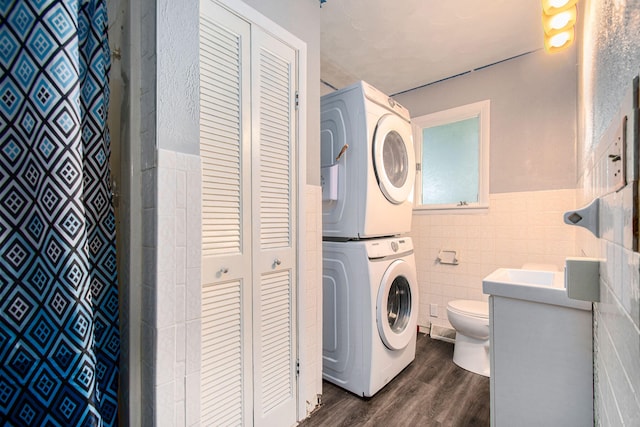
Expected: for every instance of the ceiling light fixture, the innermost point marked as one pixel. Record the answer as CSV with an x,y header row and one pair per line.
x,y
558,21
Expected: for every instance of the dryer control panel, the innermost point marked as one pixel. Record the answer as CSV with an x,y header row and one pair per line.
x,y
385,101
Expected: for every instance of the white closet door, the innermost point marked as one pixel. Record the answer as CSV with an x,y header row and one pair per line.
x,y
274,243
225,149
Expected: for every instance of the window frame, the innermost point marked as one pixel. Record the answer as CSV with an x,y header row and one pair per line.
x,y
479,109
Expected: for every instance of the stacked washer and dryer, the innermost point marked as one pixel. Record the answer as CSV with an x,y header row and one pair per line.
x,y
370,291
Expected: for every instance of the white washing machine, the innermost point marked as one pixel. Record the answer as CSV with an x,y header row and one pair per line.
x,y
370,310
368,190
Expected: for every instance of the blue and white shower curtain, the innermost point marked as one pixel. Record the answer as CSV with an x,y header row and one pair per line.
x,y
59,334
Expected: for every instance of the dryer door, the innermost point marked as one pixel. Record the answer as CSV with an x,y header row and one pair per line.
x,y
397,307
393,158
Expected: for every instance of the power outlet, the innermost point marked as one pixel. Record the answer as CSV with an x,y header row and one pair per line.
x,y
433,309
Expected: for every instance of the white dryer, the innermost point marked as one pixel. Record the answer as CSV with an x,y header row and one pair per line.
x,y
368,190
370,310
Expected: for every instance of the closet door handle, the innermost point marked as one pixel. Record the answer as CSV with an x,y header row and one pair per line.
x,y
276,262
223,270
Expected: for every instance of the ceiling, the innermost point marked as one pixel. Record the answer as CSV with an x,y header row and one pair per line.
x,y
398,45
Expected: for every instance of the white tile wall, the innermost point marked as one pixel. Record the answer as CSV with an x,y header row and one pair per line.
x,y
310,334
175,299
617,315
518,228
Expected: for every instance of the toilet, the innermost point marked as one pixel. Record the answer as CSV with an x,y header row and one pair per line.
x,y
470,319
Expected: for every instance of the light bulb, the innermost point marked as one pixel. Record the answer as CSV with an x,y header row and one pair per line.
x,y
560,20
553,24
551,7
559,39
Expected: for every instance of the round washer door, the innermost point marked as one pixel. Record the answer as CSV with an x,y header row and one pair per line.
x,y
397,307
393,158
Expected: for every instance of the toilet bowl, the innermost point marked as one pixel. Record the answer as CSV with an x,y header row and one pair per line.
x,y
470,319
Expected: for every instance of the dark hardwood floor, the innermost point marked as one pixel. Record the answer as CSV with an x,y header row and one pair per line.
x,y
431,391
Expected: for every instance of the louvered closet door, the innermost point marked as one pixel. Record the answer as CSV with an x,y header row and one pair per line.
x,y
274,245
225,144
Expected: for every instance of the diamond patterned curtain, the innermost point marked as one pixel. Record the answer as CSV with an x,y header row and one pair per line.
x,y
59,335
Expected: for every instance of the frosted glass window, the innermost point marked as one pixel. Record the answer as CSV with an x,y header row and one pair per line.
x,y
453,150
450,163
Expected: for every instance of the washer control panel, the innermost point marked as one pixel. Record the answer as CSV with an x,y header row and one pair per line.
x,y
388,246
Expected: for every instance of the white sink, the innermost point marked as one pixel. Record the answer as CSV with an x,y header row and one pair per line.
x,y
545,287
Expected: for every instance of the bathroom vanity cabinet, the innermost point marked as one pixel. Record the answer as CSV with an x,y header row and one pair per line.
x,y
541,363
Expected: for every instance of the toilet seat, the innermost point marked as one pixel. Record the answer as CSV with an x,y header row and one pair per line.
x,y
478,309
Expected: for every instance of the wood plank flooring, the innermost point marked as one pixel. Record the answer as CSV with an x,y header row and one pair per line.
x,y
431,391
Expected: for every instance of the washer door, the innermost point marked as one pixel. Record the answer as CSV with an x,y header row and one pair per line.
x,y
396,310
393,158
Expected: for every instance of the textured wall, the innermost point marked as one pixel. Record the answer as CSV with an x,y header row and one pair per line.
x,y
609,59
178,76
533,108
